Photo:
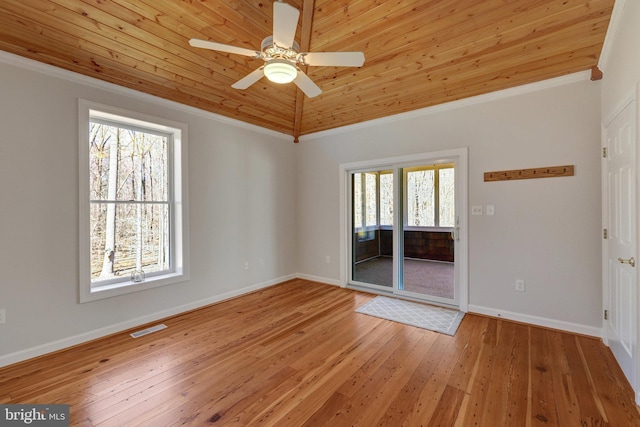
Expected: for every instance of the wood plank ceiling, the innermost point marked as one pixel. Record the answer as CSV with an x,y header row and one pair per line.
x,y
418,53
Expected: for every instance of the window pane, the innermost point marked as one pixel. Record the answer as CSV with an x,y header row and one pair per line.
x,y
101,150
135,238
447,197
386,199
371,199
357,200
420,198
127,164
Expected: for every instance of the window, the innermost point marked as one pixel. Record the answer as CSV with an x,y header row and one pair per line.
x,y
446,197
420,199
371,189
365,205
386,198
133,222
365,200
430,196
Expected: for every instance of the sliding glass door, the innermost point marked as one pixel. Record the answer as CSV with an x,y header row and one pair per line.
x,y
404,227
428,248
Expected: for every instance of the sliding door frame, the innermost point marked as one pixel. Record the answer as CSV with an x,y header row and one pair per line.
x,y
459,157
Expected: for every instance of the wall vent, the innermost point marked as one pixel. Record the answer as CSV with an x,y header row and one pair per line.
x,y
148,330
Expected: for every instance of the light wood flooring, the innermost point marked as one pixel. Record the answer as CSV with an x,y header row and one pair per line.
x,y
297,354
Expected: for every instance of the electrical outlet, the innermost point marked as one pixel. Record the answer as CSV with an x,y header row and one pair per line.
x,y
519,285
2,316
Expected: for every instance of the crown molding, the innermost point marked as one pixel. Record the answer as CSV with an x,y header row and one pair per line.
x,y
61,73
53,71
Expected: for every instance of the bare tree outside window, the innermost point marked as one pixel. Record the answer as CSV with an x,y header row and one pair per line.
x,y
129,201
420,198
386,198
447,201
431,196
357,200
371,201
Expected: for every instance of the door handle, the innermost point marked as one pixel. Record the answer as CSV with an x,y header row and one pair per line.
x,y
455,233
631,261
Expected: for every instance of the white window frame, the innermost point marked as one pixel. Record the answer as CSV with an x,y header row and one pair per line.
x,y
179,271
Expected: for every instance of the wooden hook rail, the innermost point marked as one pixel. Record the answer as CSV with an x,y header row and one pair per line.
x,y
546,172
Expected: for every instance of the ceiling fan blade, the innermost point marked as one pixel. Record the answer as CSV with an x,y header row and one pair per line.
x,y
205,44
249,79
285,24
307,85
335,59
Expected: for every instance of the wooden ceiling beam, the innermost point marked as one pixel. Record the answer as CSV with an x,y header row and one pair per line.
x,y
596,73
305,42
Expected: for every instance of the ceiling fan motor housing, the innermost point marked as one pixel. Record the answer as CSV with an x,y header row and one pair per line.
x,y
272,50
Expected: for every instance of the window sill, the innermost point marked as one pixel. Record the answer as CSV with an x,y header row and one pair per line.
x,y
89,293
406,228
430,229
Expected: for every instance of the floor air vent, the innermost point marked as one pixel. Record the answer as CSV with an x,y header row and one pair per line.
x,y
148,330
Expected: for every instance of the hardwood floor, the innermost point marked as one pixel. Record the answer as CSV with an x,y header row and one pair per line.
x,y
297,354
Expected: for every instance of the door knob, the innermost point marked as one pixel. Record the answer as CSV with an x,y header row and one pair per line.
x,y
631,261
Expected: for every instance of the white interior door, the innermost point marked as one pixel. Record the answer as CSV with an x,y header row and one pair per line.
x,y
620,293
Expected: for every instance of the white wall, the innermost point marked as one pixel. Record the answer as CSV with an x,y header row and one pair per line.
x,y
545,231
242,191
621,67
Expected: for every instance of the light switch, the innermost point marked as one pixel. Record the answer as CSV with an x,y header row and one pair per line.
x,y
476,210
491,209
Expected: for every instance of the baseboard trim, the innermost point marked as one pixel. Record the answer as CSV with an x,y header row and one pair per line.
x,y
50,347
324,280
538,321
22,355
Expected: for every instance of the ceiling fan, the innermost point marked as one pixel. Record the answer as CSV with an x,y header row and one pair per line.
x,y
282,55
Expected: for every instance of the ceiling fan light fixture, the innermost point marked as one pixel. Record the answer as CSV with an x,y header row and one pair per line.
x,y
280,71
